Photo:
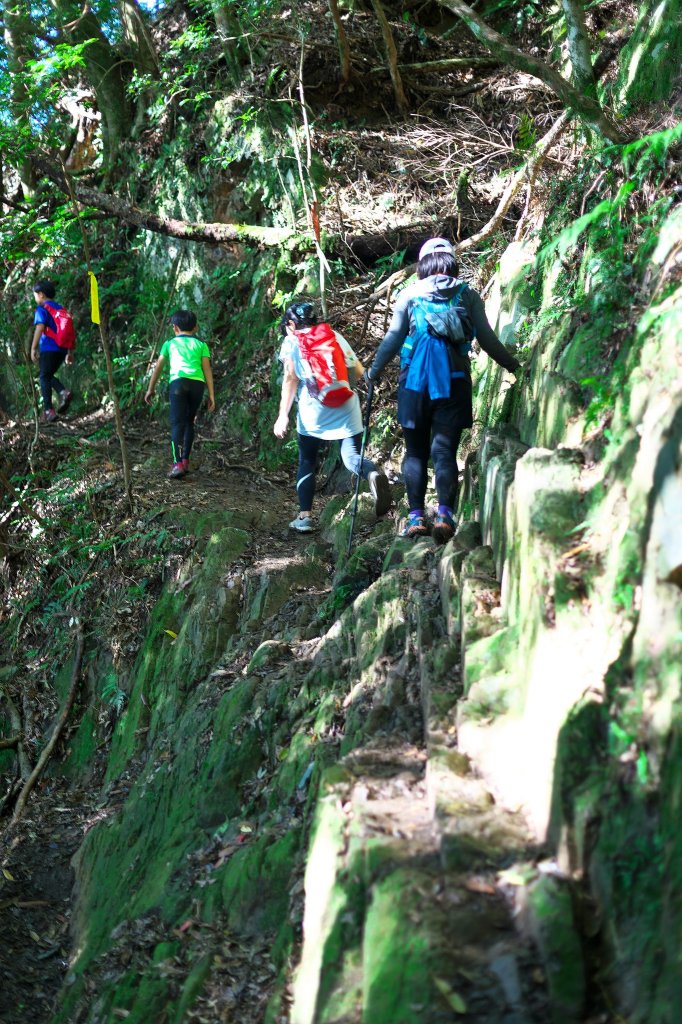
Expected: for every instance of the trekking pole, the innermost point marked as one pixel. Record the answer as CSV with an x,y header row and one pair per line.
x,y
365,433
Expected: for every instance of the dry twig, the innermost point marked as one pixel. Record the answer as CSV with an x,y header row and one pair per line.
x,y
57,731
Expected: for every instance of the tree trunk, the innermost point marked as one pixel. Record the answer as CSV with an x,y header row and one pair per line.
x,y
585,106
342,41
140,45
392,56
579,48
229,33
105,71
18,32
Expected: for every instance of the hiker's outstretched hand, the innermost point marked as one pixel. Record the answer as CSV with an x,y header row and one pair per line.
x,y
148,397
281,426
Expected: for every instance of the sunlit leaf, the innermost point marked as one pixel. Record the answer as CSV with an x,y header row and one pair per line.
x,y
453,998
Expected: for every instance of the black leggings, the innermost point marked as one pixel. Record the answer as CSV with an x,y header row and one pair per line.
x,y
308,449
49,364
185,397
437,435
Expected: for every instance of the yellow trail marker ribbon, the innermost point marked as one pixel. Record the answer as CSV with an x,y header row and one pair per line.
x,y
94,298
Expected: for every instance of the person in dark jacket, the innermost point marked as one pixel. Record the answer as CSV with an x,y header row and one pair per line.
x,y
435,412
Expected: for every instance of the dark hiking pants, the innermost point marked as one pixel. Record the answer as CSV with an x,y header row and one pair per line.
x,y
308,450
433,428
49,364
185,397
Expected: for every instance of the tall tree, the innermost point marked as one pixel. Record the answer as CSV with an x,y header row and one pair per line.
x,y
18,33
105,69
137,40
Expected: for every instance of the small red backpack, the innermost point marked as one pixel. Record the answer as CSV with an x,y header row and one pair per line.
x,y
326,374
65,335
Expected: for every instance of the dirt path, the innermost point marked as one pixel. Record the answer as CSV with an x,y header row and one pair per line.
x,y
35,899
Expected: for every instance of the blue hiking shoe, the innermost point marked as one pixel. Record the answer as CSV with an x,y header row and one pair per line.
x,y
443,528
302,525
416,526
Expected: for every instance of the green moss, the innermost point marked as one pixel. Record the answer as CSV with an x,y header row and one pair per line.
x,y
551,908
396,962
82,747
192,987
255,882
650,61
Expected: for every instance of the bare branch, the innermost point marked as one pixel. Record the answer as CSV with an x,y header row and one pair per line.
x,y
57,731
585,106
188,230
447,64
524,175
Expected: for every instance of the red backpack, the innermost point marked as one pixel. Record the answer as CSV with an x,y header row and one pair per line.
x,y
326,374
65,335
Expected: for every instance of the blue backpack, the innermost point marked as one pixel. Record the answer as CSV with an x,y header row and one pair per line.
x,y
440,326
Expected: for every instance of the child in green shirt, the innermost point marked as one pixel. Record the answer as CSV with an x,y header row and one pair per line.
x,y
190,369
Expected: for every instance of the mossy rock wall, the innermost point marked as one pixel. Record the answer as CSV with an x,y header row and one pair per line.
x,y
573,715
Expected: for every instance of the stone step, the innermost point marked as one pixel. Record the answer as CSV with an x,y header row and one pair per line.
x,y
392,935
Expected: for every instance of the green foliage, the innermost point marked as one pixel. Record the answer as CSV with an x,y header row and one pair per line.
x,y
522,12
386,265
114,696
62,57
526,133
642,156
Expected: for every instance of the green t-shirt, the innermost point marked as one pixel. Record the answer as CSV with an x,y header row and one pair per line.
x,y
184,354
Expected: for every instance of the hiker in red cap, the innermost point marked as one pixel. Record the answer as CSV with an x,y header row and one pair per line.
x,y
434,322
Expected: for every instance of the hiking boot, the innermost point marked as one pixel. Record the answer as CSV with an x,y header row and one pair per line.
x,y
177,471
49,416
304,525
65,400
185,463
380,489
416,526
443,528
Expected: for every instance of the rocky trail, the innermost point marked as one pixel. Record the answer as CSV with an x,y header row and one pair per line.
x,y
297,723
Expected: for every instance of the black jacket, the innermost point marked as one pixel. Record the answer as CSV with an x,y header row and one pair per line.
x,y
439,287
